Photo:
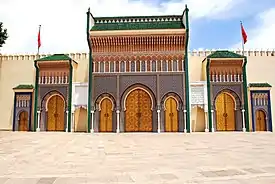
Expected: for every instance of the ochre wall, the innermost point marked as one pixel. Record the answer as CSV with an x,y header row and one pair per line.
x,y
20,70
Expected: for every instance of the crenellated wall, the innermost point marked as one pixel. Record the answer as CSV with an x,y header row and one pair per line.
x,y
81,56
19,69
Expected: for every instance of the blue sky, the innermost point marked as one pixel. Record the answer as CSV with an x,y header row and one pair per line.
x,y
214,23
224,31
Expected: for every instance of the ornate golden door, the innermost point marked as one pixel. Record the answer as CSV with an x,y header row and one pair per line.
x,y
23,121
225,113
138,116
260,121
171,115
106,118
56,109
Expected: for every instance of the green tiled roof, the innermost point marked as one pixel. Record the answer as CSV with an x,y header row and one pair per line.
x,y
24,86
224,54
139,22
55,57
260,85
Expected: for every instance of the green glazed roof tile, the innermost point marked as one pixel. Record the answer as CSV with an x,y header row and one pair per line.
x,y
139,22
260,85
55,57
224,54
24,86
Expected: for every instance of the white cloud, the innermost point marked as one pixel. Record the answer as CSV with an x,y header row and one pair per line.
x,y
64,21
262,36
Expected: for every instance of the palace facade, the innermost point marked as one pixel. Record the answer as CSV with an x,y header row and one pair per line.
x,y
138,77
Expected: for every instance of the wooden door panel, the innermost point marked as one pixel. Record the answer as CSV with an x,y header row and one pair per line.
x,y
23,121
106,117
56,116
174,118
230,111
225,113
145,122
138,112
220,112
260,121
60,114
51,114
131,115
171,115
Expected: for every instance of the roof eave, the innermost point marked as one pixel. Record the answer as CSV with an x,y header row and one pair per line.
x,y
139,32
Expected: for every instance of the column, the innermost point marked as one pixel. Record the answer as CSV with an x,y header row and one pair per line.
x,y
244,129
38,121
92,125
158,112
67,120
72,124
185,130
212,114
117,121
206,122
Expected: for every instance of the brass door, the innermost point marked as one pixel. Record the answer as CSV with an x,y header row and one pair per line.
x,y
225,113
171,115
23,121
138,115
106,118
56,109
260,121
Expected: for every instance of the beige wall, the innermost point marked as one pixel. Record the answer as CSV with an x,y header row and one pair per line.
x,y
20,70
12,73
15,70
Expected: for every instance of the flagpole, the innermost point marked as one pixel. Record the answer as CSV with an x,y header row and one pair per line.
x,y
38,46
242,39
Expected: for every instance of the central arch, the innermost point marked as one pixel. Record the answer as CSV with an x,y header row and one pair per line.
x,y
56,116
225,112
138,111
260,120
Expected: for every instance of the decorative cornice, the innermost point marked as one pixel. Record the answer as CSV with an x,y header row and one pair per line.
x,y
83,55
111,20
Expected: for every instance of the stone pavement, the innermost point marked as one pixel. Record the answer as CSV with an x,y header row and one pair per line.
x,y
143,158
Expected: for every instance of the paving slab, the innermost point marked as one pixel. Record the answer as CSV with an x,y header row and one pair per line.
x,y
151,158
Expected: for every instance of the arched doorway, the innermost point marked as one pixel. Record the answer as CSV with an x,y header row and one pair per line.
x,y
171,115
225,112
260,120
80,120
106,115
56,116
23,121
138,115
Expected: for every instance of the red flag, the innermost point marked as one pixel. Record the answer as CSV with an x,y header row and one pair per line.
x,y
244,35
38,39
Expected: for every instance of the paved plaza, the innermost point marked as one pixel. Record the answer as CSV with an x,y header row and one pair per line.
x,y
143,158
